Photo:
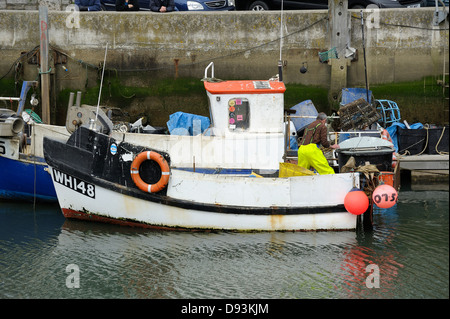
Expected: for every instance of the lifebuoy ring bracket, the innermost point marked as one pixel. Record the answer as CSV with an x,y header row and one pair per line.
x,y
165,171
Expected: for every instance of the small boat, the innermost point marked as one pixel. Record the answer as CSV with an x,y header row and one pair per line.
x,y
23,171
99,177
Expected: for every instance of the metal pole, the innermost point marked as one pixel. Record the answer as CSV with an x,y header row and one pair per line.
x,y
44,70
364,53
339,38
280,61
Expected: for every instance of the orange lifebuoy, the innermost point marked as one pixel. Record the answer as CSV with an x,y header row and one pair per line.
x,y
394,160
385,136
165,171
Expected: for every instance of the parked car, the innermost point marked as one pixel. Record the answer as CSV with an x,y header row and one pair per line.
x,y
432,3
259,5
413,3
180,5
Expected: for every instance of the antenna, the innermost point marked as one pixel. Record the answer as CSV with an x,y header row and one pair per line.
x,y
101,84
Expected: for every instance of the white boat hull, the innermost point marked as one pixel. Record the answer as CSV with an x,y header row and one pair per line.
x,y
107,205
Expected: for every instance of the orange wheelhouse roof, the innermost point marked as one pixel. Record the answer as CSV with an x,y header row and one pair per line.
x,y
242,87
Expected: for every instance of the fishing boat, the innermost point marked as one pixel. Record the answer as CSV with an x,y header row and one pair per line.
x,y
98,177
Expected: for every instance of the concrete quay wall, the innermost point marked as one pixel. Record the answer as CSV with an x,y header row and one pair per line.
x,y
401,44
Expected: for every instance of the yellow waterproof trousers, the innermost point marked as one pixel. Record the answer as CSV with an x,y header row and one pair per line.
x,y
310,155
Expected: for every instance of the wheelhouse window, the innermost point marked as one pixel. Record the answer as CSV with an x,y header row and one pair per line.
x,y
238,114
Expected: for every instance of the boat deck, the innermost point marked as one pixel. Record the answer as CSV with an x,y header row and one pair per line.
x,y
426,169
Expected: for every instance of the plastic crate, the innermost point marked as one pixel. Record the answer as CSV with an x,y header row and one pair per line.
x,y
411,141
436,138
382,159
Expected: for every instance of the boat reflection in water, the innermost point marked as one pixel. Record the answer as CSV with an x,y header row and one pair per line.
x,y
138,263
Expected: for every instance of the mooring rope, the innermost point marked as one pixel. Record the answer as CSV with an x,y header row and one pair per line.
x,y
436,147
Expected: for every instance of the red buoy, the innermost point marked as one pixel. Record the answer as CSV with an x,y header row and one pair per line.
x,y
356,202
385,196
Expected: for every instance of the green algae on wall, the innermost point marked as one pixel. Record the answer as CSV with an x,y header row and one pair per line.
x,y
418,101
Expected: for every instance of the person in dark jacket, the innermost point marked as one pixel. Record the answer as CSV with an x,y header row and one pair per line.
x,y
162,5
309,153
88,5
127,5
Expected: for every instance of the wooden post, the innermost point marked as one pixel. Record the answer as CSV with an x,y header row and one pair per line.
x,y
44,68
340,39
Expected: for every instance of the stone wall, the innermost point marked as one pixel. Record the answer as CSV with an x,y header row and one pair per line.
x,y
33,4
401,45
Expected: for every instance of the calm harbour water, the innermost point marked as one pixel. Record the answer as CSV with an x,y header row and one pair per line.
x,y
41,253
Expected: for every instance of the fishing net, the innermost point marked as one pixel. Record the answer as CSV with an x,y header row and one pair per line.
x,y
34,116
330,54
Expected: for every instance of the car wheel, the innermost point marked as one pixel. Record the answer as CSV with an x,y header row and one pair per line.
x,y
258,6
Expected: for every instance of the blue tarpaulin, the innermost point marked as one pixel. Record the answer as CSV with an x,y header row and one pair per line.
x,y
181,123
293,145
352,94
305,108
392,130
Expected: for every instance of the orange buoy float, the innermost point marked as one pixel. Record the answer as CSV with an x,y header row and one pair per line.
x,y
165,171
385,196
356,201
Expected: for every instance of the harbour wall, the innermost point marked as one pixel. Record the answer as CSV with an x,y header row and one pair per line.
x,y
400,45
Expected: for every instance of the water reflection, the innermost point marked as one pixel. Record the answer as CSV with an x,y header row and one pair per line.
x,y
408,245
206,265
27,236
371,273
